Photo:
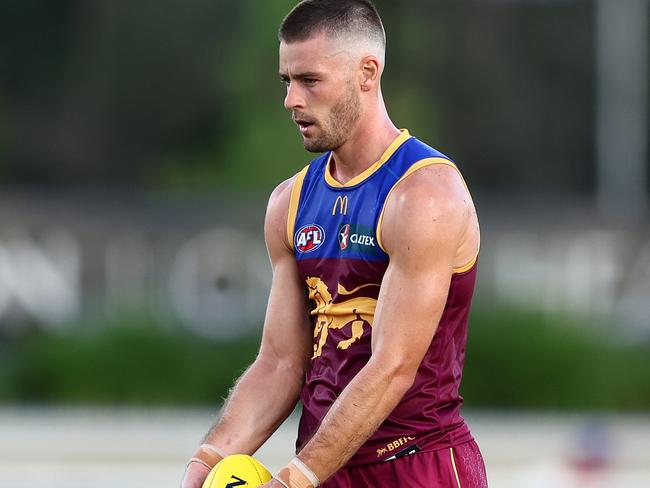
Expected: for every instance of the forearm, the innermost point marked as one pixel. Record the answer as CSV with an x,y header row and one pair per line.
x,y
258,403
360,409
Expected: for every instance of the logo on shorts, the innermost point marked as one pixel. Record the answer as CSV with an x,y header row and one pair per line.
x,y
309,238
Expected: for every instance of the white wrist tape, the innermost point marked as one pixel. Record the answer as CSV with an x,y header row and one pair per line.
x,y
199,461
304,469
214,449
281,482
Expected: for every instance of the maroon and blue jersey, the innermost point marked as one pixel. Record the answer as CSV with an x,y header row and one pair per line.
x,y
335,232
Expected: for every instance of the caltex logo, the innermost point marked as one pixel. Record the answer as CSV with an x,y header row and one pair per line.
x,y
309,238
357,238
344,236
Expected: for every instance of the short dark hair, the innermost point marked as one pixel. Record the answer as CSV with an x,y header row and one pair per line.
x,y
334,17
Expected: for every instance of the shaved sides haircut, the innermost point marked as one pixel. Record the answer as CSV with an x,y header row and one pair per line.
x,y
336,18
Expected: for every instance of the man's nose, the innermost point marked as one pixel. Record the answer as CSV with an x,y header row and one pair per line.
x,y
294,99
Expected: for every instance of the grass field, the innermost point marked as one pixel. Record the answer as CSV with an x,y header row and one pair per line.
x,y
124,403
145,448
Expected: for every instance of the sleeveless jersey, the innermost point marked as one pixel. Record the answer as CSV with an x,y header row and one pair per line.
x,y
335,232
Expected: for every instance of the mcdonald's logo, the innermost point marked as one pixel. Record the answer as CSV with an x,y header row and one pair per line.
x,y
341,204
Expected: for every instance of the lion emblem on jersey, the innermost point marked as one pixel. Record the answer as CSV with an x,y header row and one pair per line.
x,y
356,312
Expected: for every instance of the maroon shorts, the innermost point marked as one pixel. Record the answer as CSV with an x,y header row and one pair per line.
x,y
453,467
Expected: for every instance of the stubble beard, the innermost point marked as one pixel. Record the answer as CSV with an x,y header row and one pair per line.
x,y
341,121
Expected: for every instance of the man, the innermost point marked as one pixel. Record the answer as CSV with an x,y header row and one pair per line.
x,y
373,248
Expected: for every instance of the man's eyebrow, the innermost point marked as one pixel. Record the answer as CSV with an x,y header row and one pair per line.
x,y
300,76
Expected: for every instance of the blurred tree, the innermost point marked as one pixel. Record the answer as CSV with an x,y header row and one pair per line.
x,y
183,94
33,62
97,91
514,82
259,144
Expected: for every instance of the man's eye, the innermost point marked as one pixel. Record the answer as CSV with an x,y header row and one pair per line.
x,y
310,81
285,81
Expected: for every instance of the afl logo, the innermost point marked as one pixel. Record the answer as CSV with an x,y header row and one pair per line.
x,y
344,236
309,238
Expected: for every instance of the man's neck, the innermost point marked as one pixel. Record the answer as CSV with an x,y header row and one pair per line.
x,y
362,150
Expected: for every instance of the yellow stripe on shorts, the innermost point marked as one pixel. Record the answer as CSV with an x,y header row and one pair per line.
x,y
453,464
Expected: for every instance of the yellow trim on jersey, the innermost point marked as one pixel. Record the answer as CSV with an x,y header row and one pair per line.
x,y
453,464
293,204
469,265
397,142
416,166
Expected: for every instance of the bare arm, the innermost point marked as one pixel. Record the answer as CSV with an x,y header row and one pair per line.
x,y
250,416
428,223
247,419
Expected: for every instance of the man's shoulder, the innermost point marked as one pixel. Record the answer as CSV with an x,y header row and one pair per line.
x,y
434,183
431,207
282,191
282,204
429,173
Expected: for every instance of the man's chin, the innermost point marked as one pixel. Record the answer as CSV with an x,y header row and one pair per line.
x,y
314,146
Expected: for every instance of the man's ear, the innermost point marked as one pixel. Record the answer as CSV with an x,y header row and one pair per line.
x,y
370,71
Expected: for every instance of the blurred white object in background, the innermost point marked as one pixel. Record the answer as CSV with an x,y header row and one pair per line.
x,y
104,448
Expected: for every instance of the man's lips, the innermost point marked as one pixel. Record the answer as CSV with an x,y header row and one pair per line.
x,y
303,124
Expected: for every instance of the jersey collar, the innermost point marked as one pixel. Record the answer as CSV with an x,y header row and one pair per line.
x,y
390,150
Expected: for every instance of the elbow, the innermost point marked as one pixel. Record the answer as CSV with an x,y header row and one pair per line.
x,y
291,369
403,380
399,373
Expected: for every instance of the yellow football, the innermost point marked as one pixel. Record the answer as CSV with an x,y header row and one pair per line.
x,y
238,470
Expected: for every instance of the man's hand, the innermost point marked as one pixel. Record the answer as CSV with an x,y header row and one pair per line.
x,y
195,475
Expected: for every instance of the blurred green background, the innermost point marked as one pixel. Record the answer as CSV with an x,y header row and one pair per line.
x,y
139,142
516,360
184,95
